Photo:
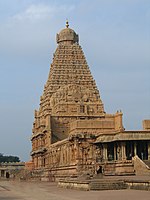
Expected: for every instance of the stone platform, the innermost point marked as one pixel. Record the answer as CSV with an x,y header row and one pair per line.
x,y
109,183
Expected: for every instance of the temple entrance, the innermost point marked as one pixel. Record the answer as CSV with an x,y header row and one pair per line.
x,y
142,150
100,170
129,150
110,151
7,175
99,153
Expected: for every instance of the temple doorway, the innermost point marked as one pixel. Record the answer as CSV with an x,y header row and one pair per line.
x,y
142,150
7,175
100,170
110,151
129,150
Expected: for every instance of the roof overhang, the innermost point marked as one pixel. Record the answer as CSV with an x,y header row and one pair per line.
x,y
124,136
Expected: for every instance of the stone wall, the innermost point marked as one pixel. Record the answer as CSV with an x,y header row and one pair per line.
x,y
8,170
118,168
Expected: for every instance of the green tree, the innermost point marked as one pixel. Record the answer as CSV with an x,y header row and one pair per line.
x,y
8,158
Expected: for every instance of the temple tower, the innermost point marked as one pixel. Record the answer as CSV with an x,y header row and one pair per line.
x,y
71,131
70,103
70,92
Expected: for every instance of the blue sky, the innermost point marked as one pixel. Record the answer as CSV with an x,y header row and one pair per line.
x,y
115,37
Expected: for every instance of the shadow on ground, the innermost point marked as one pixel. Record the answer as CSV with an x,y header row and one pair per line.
x,y
8,198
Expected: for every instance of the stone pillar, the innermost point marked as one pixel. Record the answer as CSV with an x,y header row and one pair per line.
x,y
115,151
86,109
48,132
36,161
67,147
39,162
135,148
76,148
69,154
105,152
149,150
123,150
40,141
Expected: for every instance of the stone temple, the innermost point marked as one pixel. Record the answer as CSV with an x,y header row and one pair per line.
x,y
72,134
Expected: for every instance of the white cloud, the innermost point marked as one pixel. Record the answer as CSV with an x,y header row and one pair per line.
x,y
28,31
42,11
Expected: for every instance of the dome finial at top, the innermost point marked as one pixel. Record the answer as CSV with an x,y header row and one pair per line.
x,y
67,23
67,35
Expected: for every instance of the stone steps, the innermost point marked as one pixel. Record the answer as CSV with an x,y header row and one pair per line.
x,y
107,185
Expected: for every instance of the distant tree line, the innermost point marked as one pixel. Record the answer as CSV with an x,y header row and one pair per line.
x,y
8,158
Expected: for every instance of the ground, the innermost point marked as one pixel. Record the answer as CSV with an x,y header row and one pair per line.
x,y
13,190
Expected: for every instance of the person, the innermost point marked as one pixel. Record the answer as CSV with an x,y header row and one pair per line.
x,y
142,155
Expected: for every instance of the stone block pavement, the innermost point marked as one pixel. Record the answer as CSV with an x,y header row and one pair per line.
x,y
19,190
